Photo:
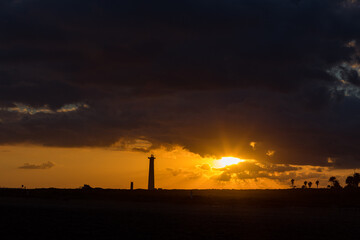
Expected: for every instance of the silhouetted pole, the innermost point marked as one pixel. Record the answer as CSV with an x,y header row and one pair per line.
x,y
132,186
151,183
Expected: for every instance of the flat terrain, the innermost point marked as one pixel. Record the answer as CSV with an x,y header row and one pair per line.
x,y
175,214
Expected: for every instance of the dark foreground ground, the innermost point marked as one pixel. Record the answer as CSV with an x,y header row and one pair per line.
x,y
173,214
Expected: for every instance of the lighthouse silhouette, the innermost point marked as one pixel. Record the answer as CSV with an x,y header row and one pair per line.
x,y
151,183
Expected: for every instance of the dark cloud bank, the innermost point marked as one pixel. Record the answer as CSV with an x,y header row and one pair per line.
x,y
211,76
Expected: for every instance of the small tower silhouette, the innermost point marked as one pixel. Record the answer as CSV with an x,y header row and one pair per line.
x,y
151,184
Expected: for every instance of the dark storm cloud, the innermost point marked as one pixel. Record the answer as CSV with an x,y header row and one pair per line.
x,y
211,76
178,45
42,166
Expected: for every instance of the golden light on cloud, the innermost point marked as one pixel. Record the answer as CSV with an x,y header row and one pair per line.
x,y
270,153
226,161
253,144
330,160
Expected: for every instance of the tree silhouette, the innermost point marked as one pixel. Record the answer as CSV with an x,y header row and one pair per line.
x,y
350,182
292,182
310,184
305,183
353,181
335,183
356,179
317,183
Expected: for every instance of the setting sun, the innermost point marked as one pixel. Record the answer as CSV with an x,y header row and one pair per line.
x,y
226,161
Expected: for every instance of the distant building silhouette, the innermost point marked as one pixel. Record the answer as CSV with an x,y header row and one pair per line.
x,y
151,183
132,186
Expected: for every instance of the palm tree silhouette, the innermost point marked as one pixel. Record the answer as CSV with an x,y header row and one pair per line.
x,y
292,182
317,183
310,184
305,183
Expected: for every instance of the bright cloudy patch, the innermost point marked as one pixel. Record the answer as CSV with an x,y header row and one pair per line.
x,y
253,145
270,153
26,109
251,169
71,107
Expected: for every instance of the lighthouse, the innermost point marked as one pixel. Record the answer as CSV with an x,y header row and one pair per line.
x,y
151,183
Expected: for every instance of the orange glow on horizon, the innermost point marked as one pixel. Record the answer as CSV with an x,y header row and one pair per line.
x,y
176,168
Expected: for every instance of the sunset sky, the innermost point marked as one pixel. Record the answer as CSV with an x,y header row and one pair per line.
x,y
226,94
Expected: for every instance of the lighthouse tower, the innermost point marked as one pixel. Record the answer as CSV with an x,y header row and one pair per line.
x,y
151,184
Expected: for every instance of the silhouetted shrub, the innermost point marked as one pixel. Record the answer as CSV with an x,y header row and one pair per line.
x,y
86,187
